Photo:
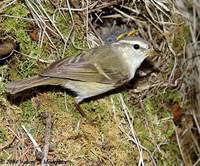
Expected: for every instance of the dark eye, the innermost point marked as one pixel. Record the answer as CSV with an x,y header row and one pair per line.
x,y
136,46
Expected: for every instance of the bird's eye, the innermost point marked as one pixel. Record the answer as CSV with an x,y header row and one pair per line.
x,y
136,46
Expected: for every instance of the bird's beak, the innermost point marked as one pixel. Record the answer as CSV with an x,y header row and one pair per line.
x,y
151,53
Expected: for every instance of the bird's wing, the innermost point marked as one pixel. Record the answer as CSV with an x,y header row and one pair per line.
x,y
100,65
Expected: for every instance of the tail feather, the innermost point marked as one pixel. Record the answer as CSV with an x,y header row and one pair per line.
x,y
21,85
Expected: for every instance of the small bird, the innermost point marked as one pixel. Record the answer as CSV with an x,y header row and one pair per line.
x,y
92,72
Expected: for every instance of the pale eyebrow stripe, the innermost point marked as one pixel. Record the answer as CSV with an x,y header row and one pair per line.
x,y
144,45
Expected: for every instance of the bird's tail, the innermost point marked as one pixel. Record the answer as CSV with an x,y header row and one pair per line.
x,y
21,85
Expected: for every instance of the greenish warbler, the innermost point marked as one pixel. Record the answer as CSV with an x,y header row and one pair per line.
x,y
93,72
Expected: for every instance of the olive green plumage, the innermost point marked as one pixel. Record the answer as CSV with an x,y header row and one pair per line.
x,y
92,72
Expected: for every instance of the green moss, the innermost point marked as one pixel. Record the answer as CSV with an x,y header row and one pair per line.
x,y
27,68
17,27
154,125
12,25
3,135
164,154
65,104
97,139
3,72
172,96
149,105
28,112
17,10
182,37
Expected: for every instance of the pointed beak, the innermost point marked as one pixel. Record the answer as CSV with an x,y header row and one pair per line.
x,y
151,53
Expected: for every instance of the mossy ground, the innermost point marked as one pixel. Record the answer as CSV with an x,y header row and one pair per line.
x,y
97,140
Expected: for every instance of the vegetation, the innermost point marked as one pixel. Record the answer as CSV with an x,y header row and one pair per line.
x,y
123,128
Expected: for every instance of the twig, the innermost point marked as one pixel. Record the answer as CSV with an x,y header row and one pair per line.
x,y
196,121
7,144
71,30
128,16
113,107
48,122
95,32
87,20
35,58
175,64
197,162
7,5
40,19
179,144
105,5
88,23
39,153
133,136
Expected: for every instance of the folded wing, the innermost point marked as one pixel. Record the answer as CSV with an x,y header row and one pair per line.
x,y
93,66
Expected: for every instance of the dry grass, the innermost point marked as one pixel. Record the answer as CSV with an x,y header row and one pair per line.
x,y
152,122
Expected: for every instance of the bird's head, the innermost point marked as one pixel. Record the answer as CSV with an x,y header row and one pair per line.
x,y
135,50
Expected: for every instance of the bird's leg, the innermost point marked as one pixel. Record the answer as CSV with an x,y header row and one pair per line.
x,y
80,110
78,107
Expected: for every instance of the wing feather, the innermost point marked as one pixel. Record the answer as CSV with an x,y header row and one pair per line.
x,y
94,65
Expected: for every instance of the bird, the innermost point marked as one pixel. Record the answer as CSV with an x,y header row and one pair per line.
x,y
92,72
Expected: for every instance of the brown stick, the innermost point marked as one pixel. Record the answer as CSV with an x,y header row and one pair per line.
x,y
47,117
80,110
7,144
106,5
